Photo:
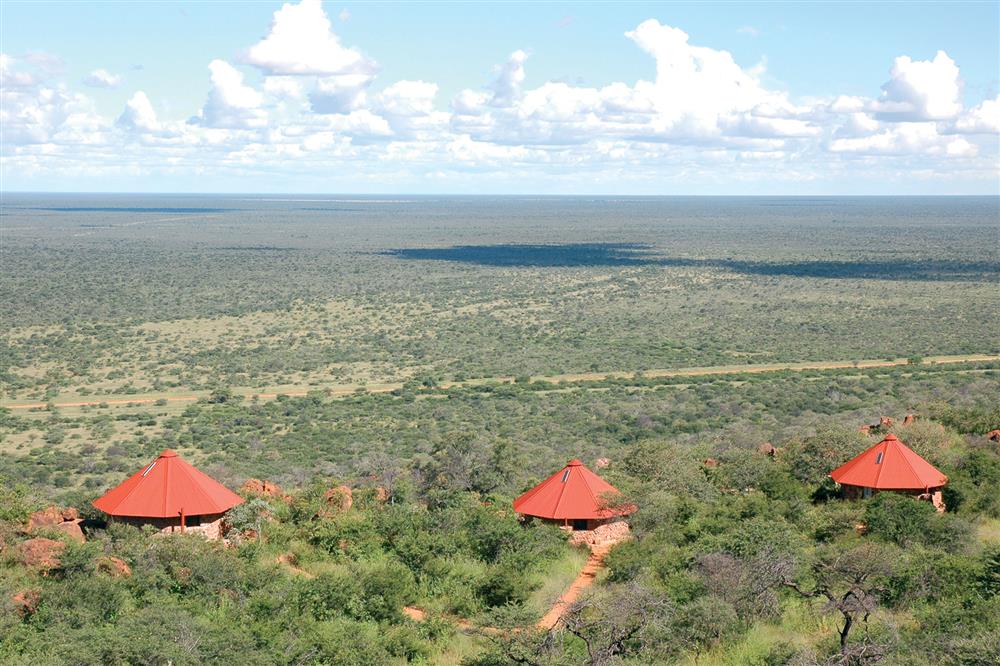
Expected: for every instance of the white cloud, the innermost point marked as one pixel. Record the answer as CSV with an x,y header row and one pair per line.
x,y
507,85
230,103
301,42
318,108
917,138
748,30
339,94
11,77
984,118
102,78
408,98
139,115
921,90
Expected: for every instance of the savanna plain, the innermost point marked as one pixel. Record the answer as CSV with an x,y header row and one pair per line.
x,y
441,355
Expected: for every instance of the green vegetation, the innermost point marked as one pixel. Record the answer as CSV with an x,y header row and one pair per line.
x,y
318,345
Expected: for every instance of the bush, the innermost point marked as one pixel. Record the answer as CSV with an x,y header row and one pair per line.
x,y
905,520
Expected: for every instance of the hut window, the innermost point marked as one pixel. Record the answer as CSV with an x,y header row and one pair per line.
x,y
565,476
867,493
192,521
150,468
878,458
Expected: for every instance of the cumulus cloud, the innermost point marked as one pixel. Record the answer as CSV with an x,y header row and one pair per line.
x,y
302,42
339,94
102,78
510,75
906,139
139,115
319,105
230,103
984,118
12,77
921,90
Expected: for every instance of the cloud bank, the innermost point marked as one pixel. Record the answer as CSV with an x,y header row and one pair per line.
x,y
299,102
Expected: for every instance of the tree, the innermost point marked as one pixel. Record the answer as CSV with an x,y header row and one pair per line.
x,y
851,581
620,622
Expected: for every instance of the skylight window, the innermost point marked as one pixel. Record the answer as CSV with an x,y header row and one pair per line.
x,y
878,458
565,476
150,468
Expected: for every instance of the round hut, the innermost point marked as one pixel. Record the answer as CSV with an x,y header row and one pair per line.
x,y
574,497
171,495
891,465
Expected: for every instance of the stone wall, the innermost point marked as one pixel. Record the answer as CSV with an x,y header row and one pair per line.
x,y
210,526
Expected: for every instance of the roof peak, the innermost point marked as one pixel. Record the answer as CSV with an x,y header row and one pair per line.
x,y
574,463
890,438
168,453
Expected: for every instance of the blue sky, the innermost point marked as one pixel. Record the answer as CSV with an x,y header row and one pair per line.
x,y
645,98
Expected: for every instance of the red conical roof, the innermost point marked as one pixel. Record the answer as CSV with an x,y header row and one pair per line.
x,y
164,489
889,465
572,493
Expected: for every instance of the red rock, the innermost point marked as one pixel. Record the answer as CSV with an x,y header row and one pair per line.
x,y
340,498
72,530
381,494
601,463
26,602
710,462
909,419
114,567
865,429
40,553
49,517
265,489
64,520
993,435
767,449
885,421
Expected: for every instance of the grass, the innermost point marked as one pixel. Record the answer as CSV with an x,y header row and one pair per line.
x,y
556,579
988,531
800,626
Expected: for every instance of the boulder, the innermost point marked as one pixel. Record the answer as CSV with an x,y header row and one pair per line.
x,y
601,463
909,419
114,567
710,462
65,520
339,498
885,421
40,553
993,435
265,489
72,530
767,449
381,494
26,602
865,429
45,518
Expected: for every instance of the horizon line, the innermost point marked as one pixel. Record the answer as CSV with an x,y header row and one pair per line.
x,y
598,195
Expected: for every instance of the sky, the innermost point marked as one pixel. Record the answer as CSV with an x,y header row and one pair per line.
x,y
504,97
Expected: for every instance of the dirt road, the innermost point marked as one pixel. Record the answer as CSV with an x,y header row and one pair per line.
x,y
341,390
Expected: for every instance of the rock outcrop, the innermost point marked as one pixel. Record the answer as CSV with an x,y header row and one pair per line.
x,y
263,488
26,602
65,520
40,553
767,449
114,567
339,499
